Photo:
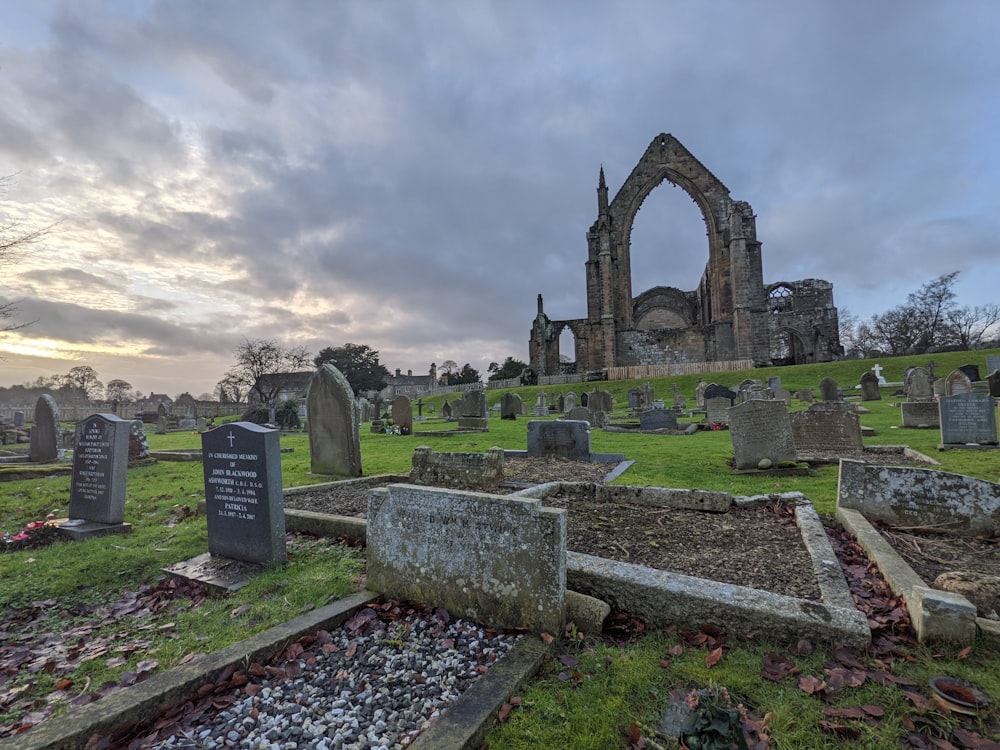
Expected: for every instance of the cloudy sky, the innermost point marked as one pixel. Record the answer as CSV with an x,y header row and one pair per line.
x,y
410,175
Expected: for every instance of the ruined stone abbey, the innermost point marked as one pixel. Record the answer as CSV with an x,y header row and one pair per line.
x,y
732,315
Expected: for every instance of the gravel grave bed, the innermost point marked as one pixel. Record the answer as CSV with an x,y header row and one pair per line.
x,y
759,548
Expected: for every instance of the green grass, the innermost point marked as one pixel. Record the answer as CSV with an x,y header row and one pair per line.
x,y
616,686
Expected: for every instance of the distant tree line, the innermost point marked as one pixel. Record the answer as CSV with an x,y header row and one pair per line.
x,y
929,321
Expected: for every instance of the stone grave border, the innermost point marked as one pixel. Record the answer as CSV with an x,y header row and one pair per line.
x,y
463,725
903,451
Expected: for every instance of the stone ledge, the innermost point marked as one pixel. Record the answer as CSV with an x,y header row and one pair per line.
x,y
935,614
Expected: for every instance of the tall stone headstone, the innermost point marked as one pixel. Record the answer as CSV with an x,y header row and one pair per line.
x,y
717,410
510,406
97,489
580,413
918,385
971,372
774,382
446,410
869,387
244,500
44,445
992,363
541,405
600,400
402,414
474,405
648,395
569,403
957,382
762,434
562,438
19,419
334,441
138,445
993,381
968,419
699,392
829,389
498,559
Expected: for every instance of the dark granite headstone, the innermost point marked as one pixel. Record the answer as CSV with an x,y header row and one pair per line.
x,y
44,445
561,438
658,419
971,372
243,495
993,380
869,387
634,398
774,382
968,418
584,397
19,419
97,489
713,390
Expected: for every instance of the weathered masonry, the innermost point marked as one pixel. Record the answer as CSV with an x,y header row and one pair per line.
x,y
731,315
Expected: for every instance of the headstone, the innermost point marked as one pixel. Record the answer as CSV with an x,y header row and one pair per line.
x,y
334,442
783,394
97,489
712,390
635,398
805,395
161,425
918,385
992,362
877,369
774,382
187,423
869,387
510,406
494,558
680,403
138,445
699,392
580,413
829,389
761,433
993,381
600,400
478,471
827,427
541,407
584,398
920,414
717,410
19,419
648,395
940,387
202,424
243,496
968,418
971,372
474,405
44,444
562,438
446,410
570,402
402,414
957,382
658,419
561,403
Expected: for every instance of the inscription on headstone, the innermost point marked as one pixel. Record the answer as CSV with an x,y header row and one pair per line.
x,y
243,495
100,463
658,419
562,438
827,427
760,431
968,418
490,557
920,414
717,410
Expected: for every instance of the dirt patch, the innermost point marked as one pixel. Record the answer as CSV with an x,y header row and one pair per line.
x,y
759,548
932,553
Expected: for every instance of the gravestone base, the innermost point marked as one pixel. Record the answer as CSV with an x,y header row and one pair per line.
x,y
79,529
473,423
968,446
220,573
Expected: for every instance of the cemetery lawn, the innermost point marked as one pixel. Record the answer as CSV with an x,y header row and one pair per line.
x,y
99,613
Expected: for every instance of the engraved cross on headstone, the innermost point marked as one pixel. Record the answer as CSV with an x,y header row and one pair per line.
x,y
230,437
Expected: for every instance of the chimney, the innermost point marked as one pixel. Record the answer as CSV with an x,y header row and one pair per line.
x,y
397,372
409,373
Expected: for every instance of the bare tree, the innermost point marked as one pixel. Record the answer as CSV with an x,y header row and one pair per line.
x,y
970,325
14,243
263,367
118,390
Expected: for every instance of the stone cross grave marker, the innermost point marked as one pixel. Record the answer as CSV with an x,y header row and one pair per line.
x,y
493,558
877,369
44,441
761,433
243,496
402,414
97,489
334,441
968,419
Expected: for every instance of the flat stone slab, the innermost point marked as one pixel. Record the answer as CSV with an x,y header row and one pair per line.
x,y
220,573
78,529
